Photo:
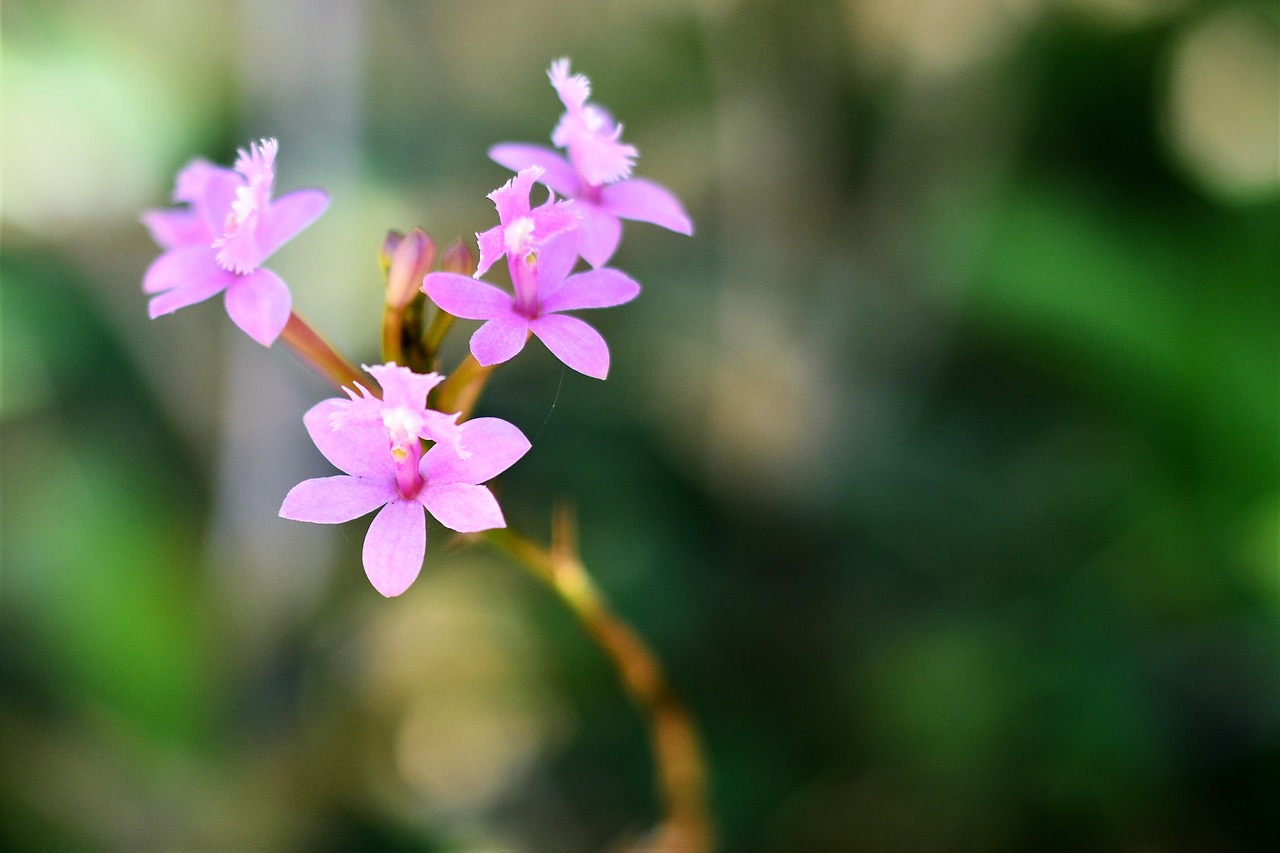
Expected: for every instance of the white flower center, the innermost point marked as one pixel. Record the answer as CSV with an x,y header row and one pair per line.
x,y
518,236
403,425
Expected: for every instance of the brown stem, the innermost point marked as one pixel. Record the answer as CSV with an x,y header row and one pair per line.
x,y
318,354
681,776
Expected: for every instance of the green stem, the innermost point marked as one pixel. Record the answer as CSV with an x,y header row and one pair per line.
x,y
440,325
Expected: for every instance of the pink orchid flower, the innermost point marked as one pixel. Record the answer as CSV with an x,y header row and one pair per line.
x,y
221,240
403,484
597,173
542,291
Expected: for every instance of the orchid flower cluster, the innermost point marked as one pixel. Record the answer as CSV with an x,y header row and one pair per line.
x,y
401,437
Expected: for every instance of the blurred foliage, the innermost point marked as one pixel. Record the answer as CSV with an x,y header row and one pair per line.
x,y
941,466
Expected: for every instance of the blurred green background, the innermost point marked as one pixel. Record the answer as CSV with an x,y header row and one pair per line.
x,y
941,467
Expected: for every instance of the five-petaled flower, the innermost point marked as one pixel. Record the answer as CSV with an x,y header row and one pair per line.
x,y
536,306
403,484
596,175
221,240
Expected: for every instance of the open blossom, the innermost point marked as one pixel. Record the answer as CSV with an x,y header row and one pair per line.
x,y
220,241
597,173
403,487
535,308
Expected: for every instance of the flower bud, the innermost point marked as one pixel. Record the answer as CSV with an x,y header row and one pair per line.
x,y
458,259
387,249
410,261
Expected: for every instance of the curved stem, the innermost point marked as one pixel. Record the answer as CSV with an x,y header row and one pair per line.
x,y
677,753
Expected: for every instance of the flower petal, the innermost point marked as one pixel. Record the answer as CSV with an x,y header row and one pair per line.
x,y
557,173
186,280
552,218
499,339
492,246
646,201
556,260
601,232
175,229
260,304
210,190
394,546
573,342
330,500
511,200
463,507
285,217
592,289
401,386
465,297
362,450
183,267
493,444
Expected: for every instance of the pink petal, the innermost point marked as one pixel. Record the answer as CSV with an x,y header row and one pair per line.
x,y
363,450
592,289
190,280
238,248
553,218
512,198
573,342
646,201
601,232
210,190
463,507
557,173
465,297
401,386
330,500
182,268
493,444
499,339
492,246
260,304
285,217
191,185
595,149
174,229
394,546
556,260
443,428
573,90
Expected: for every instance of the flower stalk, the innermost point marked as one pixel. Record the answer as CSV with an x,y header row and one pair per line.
x,y
318,354
680,770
